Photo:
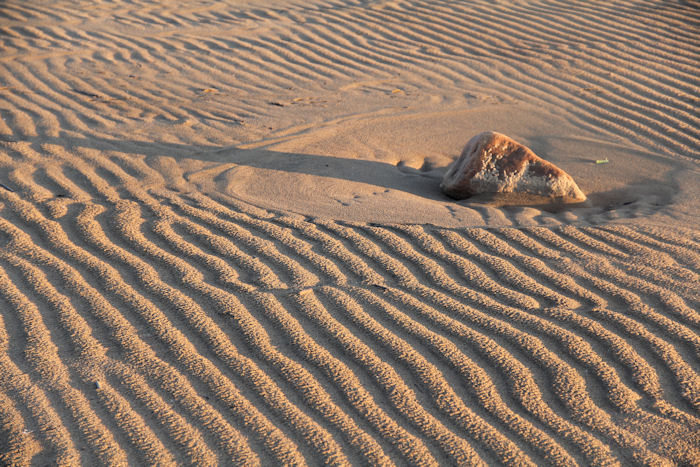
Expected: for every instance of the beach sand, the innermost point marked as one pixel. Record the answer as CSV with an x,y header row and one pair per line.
x,y
222,239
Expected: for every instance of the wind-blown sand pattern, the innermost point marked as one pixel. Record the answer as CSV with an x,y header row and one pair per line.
x,y
222,239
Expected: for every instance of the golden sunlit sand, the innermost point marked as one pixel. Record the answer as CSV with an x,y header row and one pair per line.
x,y
223,242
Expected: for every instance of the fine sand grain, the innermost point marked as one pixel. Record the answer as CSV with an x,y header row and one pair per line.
x,y
222,239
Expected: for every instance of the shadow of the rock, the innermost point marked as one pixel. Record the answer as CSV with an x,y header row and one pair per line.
x,y
370,172
375,173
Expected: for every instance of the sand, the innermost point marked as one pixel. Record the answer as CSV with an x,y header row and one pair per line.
x,y
222,239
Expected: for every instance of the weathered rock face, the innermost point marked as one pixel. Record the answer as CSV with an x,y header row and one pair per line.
x,y
494,163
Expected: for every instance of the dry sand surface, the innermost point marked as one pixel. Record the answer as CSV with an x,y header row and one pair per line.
x,y
222,239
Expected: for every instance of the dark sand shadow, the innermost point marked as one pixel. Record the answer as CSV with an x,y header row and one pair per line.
x,y
379,174
376,173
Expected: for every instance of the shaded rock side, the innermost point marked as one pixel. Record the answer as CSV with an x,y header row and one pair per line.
x,y
494,163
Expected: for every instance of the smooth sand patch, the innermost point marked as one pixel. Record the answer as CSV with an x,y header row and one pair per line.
x,y
387,169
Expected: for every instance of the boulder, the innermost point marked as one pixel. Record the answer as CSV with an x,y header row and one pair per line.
x,y
494,163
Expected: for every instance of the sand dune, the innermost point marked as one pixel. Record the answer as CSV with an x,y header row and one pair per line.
x,y
222,240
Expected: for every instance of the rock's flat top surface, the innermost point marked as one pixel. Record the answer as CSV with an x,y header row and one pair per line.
x,y
494,163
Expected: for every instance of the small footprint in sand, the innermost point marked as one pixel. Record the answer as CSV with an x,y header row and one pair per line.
x,y
357,198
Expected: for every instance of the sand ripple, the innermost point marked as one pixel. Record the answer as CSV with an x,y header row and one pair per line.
x,y
148,318
152,325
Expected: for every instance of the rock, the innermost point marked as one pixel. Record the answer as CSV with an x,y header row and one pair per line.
x,y
494,163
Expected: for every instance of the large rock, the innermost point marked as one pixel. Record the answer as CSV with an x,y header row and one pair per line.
x,y
494,163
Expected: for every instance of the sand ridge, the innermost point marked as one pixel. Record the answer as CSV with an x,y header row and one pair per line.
x,y
222,240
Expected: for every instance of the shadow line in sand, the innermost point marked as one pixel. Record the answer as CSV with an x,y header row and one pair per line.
x,y
422,182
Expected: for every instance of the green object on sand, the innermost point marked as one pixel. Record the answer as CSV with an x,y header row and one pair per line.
x,y
602,161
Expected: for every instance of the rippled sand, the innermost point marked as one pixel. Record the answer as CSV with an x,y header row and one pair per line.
x,y
222,239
